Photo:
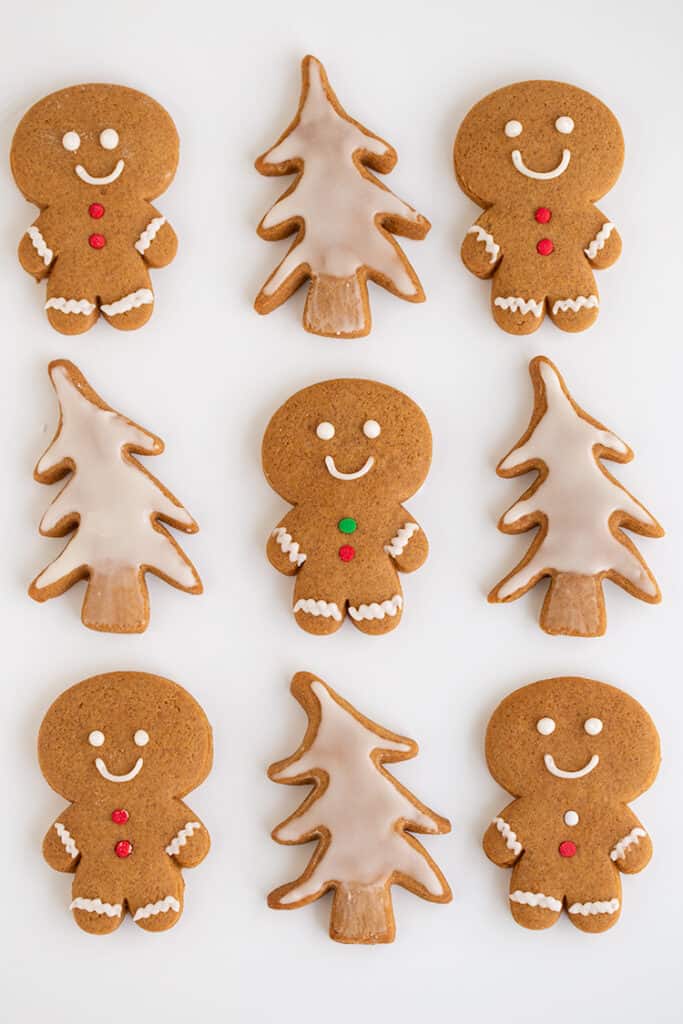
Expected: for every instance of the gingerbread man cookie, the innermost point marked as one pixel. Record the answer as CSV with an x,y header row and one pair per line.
x,y
124,748
346,454
574,753
536,156
92,157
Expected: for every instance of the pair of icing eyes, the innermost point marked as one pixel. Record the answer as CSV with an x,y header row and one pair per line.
x,y
593,726
109,139
564,125
140,738
326,431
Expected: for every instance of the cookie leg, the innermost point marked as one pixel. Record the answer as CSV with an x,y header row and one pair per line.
x,y
96,908
533,904
316,608
378,610
517,309
71,308
156,906
130,303
574,305
600,908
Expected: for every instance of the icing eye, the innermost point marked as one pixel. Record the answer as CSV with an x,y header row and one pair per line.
x,y
325,431
513,129
71,141
109,138
141,738
545,726
96,738
372,429
593,726
565,125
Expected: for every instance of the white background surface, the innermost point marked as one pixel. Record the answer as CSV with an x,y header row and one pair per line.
x,y
206,373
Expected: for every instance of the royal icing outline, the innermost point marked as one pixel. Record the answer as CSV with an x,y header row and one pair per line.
x,y
95,906
40,245
536,899
377,610
288,545
67,840
491,245
160,907
515,304
318,607
510,837
398,542
632,839
181,837
595,907
598,242
574,305
141,297
149,234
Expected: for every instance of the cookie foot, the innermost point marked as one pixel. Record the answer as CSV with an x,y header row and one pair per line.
x,y
377,617
95,915
574,314
71,316
318,616
534,910
595,915
130,311
158,915
517,315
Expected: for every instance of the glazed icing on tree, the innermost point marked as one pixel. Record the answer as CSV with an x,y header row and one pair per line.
x,y
342,213
114,505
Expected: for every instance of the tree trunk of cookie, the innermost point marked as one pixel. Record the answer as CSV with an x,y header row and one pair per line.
x,y
116,601
362,913
574,605
336,306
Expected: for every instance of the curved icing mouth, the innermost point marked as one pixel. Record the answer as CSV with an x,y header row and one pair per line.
x,y
90,179
541,175
338,475
560,773
110,777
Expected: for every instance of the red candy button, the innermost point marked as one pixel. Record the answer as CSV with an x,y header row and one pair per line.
x,y
347,552
120,816
544,247
543,215
96,210
99,241
567,848
123,848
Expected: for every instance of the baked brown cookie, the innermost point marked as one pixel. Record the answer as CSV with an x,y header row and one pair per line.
x,y
536,156
346,454
92,157
124,748
574,753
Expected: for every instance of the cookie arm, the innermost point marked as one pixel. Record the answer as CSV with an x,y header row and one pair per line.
x,y
157,243
284,548
36,250
190,843
502,843
408,546
59,845
632,848
480,251
603,245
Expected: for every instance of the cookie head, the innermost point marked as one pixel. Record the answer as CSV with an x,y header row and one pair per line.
x,y
88,140
122,733
347,438
534,140
572,736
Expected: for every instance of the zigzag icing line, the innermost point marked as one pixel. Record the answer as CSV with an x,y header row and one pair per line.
x,y
536,899
149,234
328,609
599,907
515,303
397,544
95,906
40,245
508,835
598,242
139,298
634,836
289,547
181,837
375,610
67,839
70,305
484,236
562,305
160,907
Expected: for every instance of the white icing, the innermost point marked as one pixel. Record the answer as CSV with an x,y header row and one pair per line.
x,y
372,429
561,773
95,906
597,907
96,738
110,777
339,206
160,907
325,431
593,726
375,610
149,234
396,545
577,497
133,300
634,837
40,245
510,837
67,839
580,302
492,246
565,125
571,818
514,303
338,475
536,899
107,179
181,837
541,175
141,738
288,545
70,305
598,242
327,609
513,129
71,141
109,138
545,726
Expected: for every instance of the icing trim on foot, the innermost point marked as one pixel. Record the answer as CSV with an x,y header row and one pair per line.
x,y
160,907
397,544
181,837
288,545
375,610
536,899
131,301
149,234
620,848
514,304
67,840
40,245
95,906
492,246
580,302
327,609
598,242
598,907
71,305
508,835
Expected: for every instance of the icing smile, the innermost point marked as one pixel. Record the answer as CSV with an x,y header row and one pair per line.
x,y
560,773
541,175
110,777
337,473
90,179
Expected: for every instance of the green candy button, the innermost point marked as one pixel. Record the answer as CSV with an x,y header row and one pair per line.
x,y
347,524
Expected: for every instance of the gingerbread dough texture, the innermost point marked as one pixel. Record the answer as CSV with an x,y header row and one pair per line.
x,y
92,158
536,156
574,753
124,749
360,815
347,454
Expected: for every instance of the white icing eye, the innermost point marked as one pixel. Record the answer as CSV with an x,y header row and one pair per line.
x,y
565,125
96,738
71,141
372,429
141,738
545,726
109,138
325,431
513,129
593,726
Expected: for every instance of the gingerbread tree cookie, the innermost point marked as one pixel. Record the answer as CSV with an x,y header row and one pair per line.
x,y
116,508
360,815
580,510
343,217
